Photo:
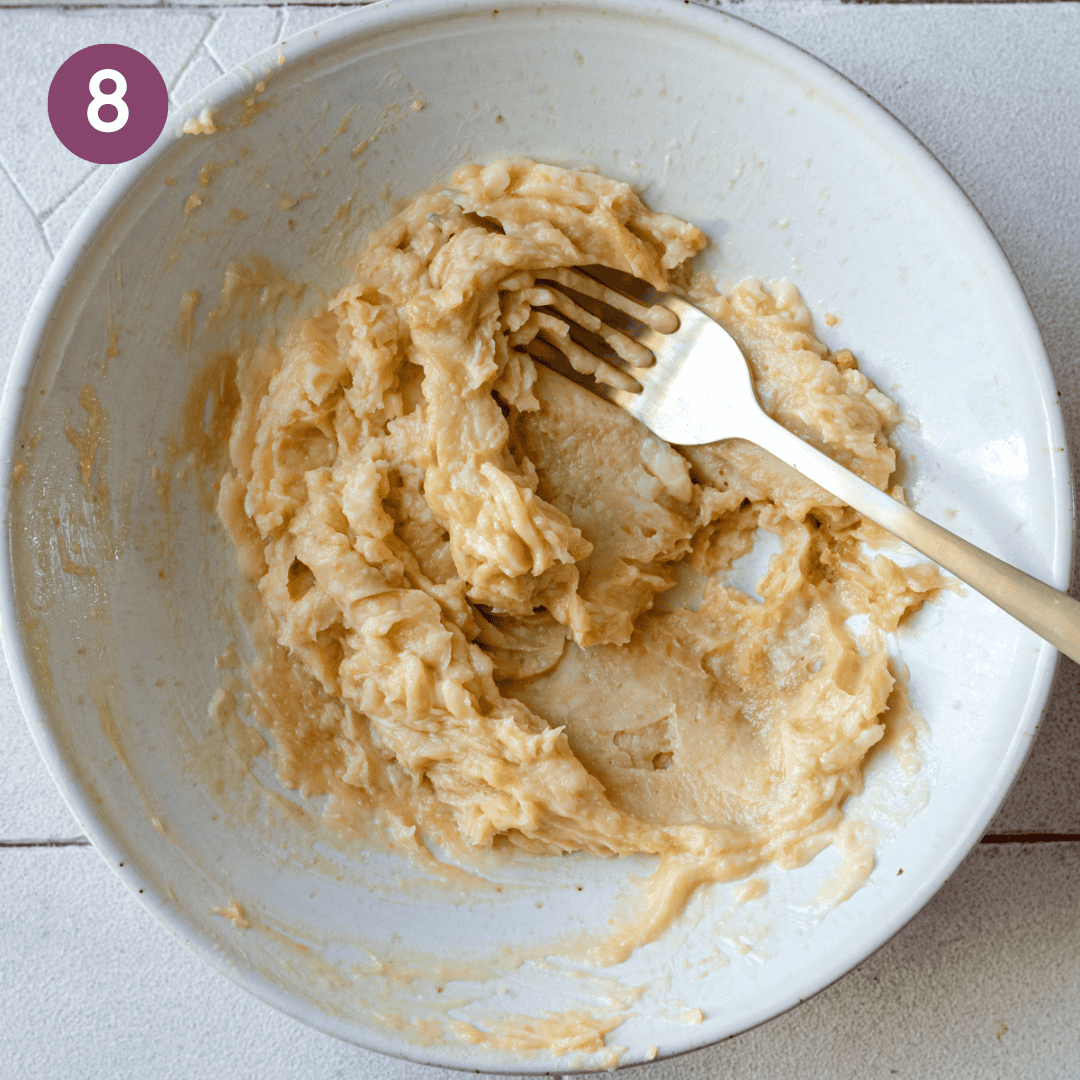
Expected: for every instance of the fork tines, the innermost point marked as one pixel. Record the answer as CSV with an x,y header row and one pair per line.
x,y
590,327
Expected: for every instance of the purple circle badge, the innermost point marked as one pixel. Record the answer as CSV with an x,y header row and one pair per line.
x,y
108,103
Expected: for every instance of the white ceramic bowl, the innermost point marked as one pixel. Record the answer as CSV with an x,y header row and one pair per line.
x,y
793,173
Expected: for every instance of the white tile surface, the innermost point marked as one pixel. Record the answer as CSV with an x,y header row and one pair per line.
x,y
984,983
236,32
36,42
201,70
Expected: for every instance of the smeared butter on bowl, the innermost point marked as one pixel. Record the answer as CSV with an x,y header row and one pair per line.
x,y
498,613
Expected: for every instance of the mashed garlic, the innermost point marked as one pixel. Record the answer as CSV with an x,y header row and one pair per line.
x,y
466,562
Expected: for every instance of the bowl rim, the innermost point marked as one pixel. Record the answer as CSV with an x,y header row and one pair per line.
x,y
369,21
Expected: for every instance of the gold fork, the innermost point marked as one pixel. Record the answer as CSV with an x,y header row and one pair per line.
x,y
684,377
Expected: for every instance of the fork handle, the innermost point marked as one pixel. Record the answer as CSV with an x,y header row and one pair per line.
x,y
1053,615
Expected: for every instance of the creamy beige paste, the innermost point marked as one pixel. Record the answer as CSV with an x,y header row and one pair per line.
x,y
498,607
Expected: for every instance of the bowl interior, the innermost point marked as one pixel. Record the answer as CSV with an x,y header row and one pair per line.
x,y
122,607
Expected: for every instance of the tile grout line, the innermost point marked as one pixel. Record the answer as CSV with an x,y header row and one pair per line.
x,y
1030,838
214,18
210,48
29,206
50,210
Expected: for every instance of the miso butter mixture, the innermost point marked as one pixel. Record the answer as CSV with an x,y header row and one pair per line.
x,y
500,609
